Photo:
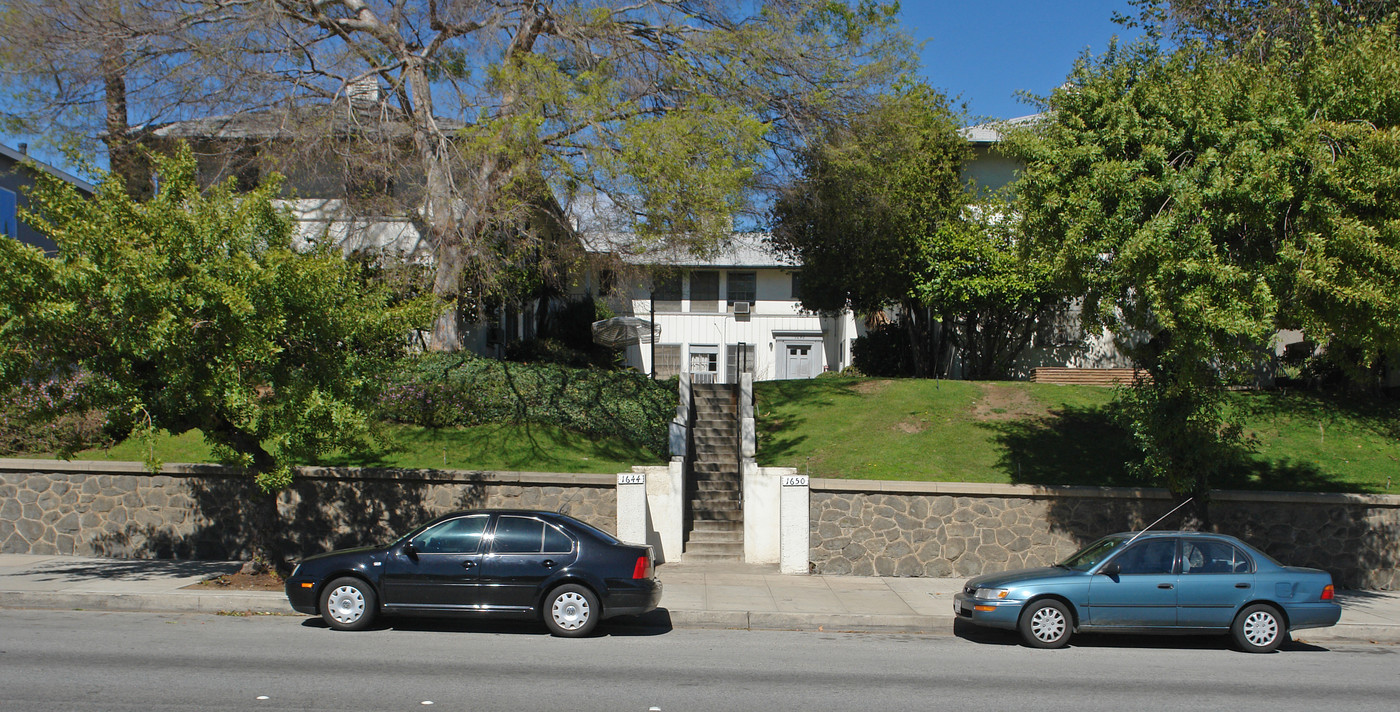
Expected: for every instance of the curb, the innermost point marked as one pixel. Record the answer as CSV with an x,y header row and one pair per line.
x,y
276,604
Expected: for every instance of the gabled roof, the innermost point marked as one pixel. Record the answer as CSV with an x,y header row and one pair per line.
x,y
994,131
20,157
285,122
742,249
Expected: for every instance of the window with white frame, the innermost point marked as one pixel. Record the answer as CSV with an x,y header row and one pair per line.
x,y
704,291
668,360
666,293
742,287
737,360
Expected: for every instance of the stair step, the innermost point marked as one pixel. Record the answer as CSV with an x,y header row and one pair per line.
x,y
728,550
728,515
730,486
710,498
717,526
735,536
716,506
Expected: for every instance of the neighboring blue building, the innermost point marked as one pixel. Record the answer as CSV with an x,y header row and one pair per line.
x,y
16,175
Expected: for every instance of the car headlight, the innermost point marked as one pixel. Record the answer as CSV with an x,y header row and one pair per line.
x,y
991,594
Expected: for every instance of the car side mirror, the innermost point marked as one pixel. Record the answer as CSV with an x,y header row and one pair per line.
x,y
1111,569
410,550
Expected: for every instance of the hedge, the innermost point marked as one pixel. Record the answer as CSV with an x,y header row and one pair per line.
x,y
442,390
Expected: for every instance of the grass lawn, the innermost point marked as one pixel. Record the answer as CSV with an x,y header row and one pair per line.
x,y
538,448
1026,433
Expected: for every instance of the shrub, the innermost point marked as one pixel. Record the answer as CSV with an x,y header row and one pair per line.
x,y
883,352
441,390
48,417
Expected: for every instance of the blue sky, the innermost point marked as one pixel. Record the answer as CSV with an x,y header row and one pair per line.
x,y
986,50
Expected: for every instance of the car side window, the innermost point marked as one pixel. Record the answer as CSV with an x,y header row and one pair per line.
x,y
454,536
1153,556
1209,556
527,535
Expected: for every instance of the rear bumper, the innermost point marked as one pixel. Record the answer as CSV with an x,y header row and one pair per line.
x,y
631,597
1313,615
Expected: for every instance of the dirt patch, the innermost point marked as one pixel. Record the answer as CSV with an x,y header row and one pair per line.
x,y
1004,402
241,582
913,425
869,387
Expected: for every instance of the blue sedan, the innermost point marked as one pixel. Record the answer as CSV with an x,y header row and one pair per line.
x,y
1156,582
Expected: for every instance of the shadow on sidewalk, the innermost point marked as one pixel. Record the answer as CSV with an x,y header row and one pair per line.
x,y
130,569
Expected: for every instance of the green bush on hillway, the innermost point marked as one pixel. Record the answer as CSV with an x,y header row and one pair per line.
x,y
461,389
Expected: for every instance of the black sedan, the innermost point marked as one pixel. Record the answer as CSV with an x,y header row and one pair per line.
x,y
510,563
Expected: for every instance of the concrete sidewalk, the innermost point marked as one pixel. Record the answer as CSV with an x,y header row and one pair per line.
x,y
735,596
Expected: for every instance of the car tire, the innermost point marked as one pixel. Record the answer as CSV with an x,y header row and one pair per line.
x,y
1046,624
571,611
348,603
1259,629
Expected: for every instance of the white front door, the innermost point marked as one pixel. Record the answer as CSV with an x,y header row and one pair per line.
x,y
799,361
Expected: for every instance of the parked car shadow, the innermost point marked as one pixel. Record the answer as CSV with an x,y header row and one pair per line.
x,y
994,636
657,622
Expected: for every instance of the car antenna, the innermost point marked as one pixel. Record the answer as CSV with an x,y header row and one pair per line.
x,y
1159,519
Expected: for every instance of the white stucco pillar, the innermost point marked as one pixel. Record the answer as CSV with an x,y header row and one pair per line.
x,y
651,508
632,525
794,522
760,514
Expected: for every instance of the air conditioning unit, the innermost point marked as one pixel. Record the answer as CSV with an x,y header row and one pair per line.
x,y
741,307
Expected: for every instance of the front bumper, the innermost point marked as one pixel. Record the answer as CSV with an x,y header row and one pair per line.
x,y
631,597
301,593
993,614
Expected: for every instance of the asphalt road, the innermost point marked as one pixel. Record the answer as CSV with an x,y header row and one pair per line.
x,y
75,660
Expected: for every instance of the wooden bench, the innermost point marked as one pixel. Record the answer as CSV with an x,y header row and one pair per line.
x,y
1087,376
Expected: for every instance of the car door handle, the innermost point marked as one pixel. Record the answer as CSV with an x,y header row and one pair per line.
x,y
468,564
1241,585
547,563
1165,585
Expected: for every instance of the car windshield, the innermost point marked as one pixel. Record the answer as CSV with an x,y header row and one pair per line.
x,y
1090,556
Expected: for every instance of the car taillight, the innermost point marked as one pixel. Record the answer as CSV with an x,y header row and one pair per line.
x,y
1328,592
643,568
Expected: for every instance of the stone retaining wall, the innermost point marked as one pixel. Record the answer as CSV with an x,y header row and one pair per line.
x,y
198,511
949,529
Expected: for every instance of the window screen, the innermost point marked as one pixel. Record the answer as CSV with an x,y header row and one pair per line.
x,y
667,293
742,287
704,291
668,360
737,361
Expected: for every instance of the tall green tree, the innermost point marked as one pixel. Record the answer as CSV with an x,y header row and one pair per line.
x,y
194,311
1202,200
871,192
655,119
881,217
1233,26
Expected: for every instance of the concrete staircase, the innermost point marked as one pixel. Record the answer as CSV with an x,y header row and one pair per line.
x,y
715,487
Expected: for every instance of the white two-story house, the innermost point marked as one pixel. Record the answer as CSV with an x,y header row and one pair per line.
x,y
735,311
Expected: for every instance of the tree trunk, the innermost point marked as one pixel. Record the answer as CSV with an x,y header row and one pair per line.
x,y
124,155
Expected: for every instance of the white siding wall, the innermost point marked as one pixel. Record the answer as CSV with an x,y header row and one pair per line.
x,y
774,311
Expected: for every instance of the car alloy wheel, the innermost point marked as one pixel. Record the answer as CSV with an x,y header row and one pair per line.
x,y
1046,624
571,611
